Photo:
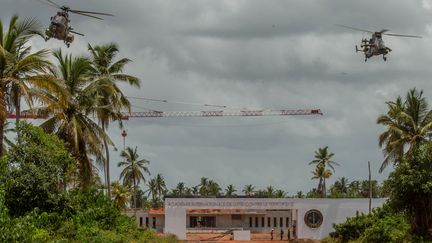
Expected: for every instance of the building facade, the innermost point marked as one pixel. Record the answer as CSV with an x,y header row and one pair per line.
x,y
302,218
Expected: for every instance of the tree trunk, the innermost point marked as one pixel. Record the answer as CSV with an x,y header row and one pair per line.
x,y
17,119
135,192
3,115
107,168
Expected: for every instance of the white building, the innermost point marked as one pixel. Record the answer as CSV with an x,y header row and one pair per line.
x,y
303,218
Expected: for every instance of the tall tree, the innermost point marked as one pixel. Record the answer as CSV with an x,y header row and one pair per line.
x,y
20,68
323,157
134,169
71,110
111,103
408,124
321,173
269,191
203,186
121,194
213,188
230,190
280,194
248,190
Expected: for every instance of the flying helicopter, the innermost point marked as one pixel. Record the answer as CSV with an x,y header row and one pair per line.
x,y
60,28
375,45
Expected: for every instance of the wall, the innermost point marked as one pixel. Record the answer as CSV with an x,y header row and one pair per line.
x,y
333,210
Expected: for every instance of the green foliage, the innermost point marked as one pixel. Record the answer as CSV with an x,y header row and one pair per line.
x,y
35,172
411,189
36,207
391,228
383,225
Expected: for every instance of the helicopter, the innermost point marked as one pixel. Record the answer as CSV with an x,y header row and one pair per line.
x,y
375,45
60,28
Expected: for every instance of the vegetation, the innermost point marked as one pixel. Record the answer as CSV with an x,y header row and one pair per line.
x,y
134,169
407,217
39,204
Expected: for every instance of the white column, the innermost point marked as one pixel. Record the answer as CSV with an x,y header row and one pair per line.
x,y
175,222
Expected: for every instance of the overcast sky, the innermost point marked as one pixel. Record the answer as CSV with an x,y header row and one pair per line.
x,y
275,54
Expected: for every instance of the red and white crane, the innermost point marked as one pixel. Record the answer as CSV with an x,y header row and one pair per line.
x,y
221,113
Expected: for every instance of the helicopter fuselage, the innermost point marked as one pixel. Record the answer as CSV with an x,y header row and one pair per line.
x,y
59,28
375,46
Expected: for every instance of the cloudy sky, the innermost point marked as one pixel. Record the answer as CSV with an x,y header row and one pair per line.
x,y
250,54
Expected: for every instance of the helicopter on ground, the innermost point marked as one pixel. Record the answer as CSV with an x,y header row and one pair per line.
x,y
375,45
60,28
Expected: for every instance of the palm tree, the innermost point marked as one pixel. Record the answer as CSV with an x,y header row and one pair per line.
x,y
322,174
248,190
280,194
408,124
160,185
19,67
71,108
340,187
121,194
213,188
203,186
103,67
323,157
180,190
300,194
134,169
230,190
269,192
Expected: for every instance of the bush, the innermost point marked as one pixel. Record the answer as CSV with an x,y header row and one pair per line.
x,y
383,225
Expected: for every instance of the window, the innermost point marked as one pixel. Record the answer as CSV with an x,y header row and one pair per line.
x,y
262,222
274,222
256,222
154,222
147,222
281,222
268,222
250,222
141,222
287,222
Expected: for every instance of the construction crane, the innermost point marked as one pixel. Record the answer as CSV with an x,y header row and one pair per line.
x,y
149,114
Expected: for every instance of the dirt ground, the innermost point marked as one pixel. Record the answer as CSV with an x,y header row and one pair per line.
x,y
255,238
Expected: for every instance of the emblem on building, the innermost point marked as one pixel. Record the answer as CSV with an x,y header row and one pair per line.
x,y
313,218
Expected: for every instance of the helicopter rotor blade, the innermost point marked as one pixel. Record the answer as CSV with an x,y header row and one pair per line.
x,y
89,12
383,31
353,28
53,3
48,3
88,15
76,33
410,36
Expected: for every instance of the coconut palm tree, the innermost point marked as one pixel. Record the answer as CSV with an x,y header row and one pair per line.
x,y
213,188
134,169
280,194
104,67
121,194
71,110
248,190
408,124
321,173
180,190
20,68
203,186
230,190
300,194
323,157
269,191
